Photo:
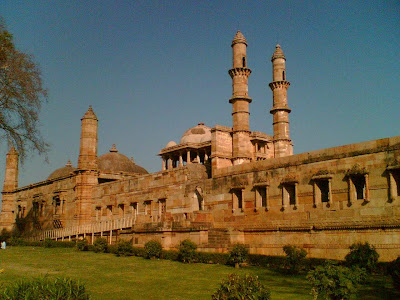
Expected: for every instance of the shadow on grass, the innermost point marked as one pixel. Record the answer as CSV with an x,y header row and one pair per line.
x,y
378,287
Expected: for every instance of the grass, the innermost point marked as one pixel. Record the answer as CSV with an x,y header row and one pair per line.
x,y
109,277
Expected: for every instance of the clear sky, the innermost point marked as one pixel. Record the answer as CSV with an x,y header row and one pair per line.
x,y
153,69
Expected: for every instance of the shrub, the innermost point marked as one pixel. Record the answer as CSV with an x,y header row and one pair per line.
x,y
187,251
212,258
237,255
124,248
153,249
241,287
113,249
82,245
48,243
335,282
362,256
138,252
100,245
394,271
170,255
45,288
295,257
16,241
5,235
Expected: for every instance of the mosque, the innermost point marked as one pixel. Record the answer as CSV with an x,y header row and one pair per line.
x,y
221,186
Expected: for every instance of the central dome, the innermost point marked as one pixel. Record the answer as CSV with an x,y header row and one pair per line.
x,y
197,134
116,162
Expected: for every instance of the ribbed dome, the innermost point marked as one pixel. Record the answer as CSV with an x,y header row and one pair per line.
x,y
62,172
197,134
117,162
278,53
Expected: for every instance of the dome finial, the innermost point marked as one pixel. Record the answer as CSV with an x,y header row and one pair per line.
x,y
239,38
89,114
278,53
113,148
132,160
68,164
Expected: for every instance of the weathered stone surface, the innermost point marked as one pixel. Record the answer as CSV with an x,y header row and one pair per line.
x,y
227,185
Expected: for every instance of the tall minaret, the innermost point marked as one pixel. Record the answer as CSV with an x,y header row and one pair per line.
x,y
7,217
88,147
280,110
87,173
11,174
242,148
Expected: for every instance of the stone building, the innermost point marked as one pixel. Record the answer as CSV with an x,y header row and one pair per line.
x,y
222,185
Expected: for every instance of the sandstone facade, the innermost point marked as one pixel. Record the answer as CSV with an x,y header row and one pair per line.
x,y
223,185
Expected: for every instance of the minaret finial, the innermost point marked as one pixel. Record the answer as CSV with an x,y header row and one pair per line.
x,y
113,148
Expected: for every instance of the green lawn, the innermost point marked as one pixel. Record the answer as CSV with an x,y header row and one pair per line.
x,y
109,277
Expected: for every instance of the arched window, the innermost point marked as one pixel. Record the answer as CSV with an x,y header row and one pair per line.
x,y
283,75
244,62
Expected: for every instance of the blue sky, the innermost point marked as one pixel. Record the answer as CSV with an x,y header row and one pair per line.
x,y
153,69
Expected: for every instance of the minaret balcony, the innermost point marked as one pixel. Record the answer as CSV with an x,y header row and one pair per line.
x,y
239,72
279,84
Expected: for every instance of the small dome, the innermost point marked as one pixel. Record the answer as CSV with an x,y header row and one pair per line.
x,y
278,53
117,162
62,172
170,144
239,38
197,134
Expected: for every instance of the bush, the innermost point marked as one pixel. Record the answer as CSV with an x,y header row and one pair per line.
x,y
5,235
187,251
295,258
212,258
335,282
170,255
394,271
241,287
82,245
45,288
124,248
100,245
48,243
238,255
362,256
153,249
138,252
113,249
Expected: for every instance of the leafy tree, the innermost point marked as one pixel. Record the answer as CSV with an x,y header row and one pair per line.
x,y
394,271
335,282
294,258
21,97
362,256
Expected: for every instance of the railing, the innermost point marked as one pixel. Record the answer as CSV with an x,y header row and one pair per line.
x,y
86,229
